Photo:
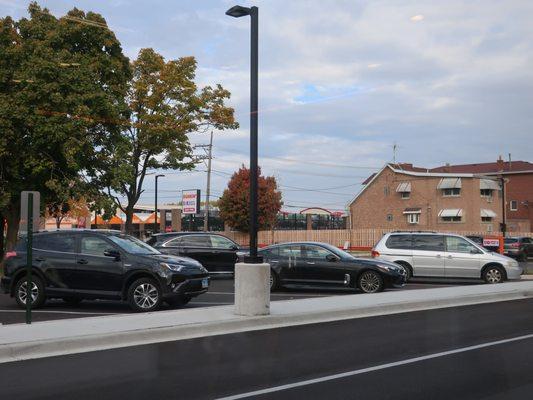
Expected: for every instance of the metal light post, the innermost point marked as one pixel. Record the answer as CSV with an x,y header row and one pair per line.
x,y
156,225
253,12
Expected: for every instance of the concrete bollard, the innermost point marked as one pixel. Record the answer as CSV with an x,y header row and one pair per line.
x,y
252,289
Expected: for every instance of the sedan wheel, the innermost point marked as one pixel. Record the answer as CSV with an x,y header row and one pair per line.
x,y
493,275
144,295
370,282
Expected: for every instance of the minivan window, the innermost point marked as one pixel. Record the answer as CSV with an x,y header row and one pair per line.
x,y
403,242
63,243
428,242
459,245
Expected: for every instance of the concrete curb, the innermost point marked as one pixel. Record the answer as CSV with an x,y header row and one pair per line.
x,y
221,320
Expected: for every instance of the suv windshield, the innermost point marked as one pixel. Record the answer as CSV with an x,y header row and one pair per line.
x,y
132,245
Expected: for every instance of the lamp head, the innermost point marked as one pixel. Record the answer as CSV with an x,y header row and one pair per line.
x,y
238,11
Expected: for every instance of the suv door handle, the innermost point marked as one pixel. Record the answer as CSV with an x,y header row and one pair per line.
x,y
83,261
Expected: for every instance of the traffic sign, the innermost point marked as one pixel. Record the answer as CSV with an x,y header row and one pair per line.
x,y
36,211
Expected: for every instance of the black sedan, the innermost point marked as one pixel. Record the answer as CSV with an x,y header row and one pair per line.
x,y
320,264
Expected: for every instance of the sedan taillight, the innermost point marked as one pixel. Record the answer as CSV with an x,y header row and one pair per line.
x,y
375,253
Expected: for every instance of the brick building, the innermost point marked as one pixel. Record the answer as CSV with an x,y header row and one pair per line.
x,y
518,188
401,196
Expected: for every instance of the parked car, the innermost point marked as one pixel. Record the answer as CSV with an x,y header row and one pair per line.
x,y
439,255
95,264
479,241
518,247
320,264
215,252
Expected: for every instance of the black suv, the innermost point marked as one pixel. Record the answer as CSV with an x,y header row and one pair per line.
x,y
95,264
217,253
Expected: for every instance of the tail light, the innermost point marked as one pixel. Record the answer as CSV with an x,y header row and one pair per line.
x,y
10,254
375,253
515,245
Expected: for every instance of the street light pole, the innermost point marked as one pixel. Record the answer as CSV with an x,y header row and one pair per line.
x,y
253,12
156,229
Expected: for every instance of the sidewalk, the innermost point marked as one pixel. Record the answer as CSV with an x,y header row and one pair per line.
x,y
60,337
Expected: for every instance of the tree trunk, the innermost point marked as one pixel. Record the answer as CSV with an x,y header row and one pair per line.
x,y
129,220
12,216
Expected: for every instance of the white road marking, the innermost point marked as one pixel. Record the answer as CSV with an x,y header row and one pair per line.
x,y
283,294
209,302
375,368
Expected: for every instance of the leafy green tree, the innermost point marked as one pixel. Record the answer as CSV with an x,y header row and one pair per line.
x,y
234,204
62,87
164,105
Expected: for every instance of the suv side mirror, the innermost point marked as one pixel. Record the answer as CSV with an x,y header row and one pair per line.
x,y
112,253
331,258
234,247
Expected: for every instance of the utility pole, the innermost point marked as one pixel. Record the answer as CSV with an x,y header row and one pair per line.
x,y
208,188
504,226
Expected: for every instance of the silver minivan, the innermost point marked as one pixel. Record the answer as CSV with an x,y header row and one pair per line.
x,y
443,255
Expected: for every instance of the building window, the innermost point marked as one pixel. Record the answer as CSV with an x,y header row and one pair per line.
x,y
451,219
486,193
514,205
389,217
486,219
413,218
386,190
453,192
406,195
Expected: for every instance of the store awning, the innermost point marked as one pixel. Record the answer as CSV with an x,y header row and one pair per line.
x,y
489,184
449,183
488,213
451,212
412,210
404,187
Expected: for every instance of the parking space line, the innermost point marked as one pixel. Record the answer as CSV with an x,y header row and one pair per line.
x,y
283,294
375,368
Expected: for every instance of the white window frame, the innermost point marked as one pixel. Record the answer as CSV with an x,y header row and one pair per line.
x,y
515,208
451,195
413,218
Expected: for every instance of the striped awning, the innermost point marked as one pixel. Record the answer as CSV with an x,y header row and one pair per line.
x,y
489,184
451,212
449,183
412,210
488,213
404,187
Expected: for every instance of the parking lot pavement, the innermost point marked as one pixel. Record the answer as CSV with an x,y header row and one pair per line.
x,y
220,293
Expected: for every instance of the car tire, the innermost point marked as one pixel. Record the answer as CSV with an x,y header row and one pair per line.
x,y
144,295
370,282
493,274
38,296
274,281
72,301
178,301
407,269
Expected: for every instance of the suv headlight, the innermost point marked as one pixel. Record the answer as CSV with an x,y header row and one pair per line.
x,y
172,267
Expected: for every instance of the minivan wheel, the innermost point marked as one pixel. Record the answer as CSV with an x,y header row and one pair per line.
x,y
144,295
370,282
493,275
37,292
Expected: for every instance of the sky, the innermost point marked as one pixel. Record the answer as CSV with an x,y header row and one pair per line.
x,y
341,82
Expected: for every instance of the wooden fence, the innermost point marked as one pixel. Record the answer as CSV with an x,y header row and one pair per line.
x,y
362,239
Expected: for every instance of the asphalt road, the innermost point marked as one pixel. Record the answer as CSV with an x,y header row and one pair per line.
x,y
221,292
436,354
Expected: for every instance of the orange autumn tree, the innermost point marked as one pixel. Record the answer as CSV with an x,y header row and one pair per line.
x,y
234,204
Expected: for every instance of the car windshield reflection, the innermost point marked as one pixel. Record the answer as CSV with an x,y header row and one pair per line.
x,y
132,245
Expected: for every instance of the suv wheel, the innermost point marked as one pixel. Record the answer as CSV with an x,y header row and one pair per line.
x,y
144,295
37,292
370,282
493,274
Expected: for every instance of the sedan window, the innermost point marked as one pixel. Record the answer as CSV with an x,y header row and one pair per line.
x,y
290,251
196,241
316,252
220,242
